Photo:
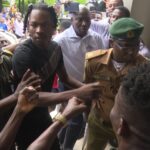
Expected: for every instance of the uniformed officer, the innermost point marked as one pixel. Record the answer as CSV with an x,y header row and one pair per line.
x,y
108,67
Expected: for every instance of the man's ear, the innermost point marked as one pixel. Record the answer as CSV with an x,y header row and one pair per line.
x,y
123,129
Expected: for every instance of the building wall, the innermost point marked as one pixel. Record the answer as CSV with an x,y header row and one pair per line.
x,y
128,4
140,11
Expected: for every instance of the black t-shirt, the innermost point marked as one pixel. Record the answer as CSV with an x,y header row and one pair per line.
x,y
44,62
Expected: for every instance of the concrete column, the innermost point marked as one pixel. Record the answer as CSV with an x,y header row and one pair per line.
x,y
140,11
128,4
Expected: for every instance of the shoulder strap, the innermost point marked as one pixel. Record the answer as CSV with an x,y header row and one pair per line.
x,y
96,53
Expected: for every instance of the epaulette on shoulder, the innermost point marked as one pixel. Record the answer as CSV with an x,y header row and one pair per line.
x,y
93,54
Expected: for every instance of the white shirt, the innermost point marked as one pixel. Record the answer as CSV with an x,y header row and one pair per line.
x,y
18,27
102,28
74,49
118,66
145,51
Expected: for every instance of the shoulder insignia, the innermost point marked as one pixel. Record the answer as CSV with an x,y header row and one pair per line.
x,y
93,54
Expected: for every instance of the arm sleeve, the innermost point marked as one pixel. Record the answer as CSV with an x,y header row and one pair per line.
x,y
20,61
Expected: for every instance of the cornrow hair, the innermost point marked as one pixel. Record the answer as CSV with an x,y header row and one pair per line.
x,y
41,6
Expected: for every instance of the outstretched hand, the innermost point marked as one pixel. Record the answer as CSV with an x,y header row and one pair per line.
x,y
27,99
74,107
89,91
29,79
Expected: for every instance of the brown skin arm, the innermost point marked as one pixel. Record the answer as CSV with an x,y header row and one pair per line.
x,y
7,103
83,91
29,79
8,133
46,139
86,92
27,100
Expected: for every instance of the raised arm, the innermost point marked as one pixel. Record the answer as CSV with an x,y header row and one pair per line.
x,y
86,92
46,139
27,100
28,79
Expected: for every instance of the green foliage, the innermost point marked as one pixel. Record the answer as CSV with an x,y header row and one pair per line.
x,y
5,3
23,4
81,1
50,2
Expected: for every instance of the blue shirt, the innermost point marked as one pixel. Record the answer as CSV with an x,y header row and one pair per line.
x,y
3,26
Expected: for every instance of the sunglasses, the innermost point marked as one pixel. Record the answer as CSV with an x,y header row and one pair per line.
x,y
137,45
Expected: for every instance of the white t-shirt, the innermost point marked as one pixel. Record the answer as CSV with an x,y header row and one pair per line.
x,y
102,28
118,66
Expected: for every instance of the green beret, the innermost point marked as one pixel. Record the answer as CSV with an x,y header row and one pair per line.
x,y
126,28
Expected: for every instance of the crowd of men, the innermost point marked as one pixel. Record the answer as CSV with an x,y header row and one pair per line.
x,y
103,79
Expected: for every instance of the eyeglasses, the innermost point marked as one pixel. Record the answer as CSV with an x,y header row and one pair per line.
x,y
136,46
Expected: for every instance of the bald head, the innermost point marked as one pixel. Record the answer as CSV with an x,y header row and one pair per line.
x,y
82,12
81,22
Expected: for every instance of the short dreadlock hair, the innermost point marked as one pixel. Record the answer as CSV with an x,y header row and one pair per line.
x,y
136,87
41,6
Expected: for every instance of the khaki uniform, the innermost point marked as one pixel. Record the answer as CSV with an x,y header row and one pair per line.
x,y
99,67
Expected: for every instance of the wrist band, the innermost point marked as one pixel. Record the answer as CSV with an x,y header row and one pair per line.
x,y
61,118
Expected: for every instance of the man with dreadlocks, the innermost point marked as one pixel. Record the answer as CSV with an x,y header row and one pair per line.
x,y
44,57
